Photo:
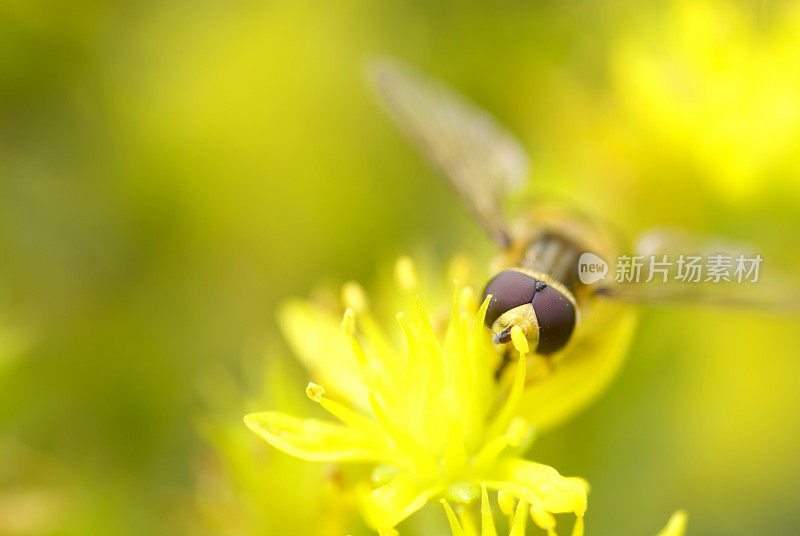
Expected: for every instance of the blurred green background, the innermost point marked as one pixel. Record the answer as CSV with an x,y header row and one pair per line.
x,y
169,171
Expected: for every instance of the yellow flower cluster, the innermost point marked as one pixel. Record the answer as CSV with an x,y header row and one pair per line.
x,y
429,415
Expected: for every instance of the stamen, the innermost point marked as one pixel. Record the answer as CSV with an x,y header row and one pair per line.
x,y
348,324
519,340
577,529
349,327
315,392
506,501
405,274
354,296
343,413
544,520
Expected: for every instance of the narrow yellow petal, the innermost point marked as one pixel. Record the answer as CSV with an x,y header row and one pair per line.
x,y
543,486
427,336
478,329
477,386
411,338
466,521
511,404
455,526
382,367
312,439
487,522
423,385
463,369
520,519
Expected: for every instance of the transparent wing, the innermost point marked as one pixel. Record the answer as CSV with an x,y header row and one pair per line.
x,y
480,158
678,266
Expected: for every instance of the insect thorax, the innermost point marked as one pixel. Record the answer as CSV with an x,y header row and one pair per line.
x,y
555,255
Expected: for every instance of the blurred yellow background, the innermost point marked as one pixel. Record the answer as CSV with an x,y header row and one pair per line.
x,y
170,171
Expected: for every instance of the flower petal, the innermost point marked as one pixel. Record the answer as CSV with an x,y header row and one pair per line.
x,y
388,505
520,519
542,486
313,439
487,523
319,343
585,369
455,525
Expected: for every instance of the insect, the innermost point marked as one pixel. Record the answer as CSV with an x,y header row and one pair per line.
x,y
537,283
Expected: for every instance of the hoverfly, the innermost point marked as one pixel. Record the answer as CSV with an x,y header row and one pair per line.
x,y
537,284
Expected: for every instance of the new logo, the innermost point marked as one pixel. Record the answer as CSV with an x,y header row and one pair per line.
x,y
591,268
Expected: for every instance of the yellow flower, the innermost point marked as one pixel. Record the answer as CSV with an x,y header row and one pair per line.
x,y
430,419
462,524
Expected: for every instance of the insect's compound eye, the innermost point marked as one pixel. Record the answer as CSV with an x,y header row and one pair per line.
x,y
509,289
556,316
